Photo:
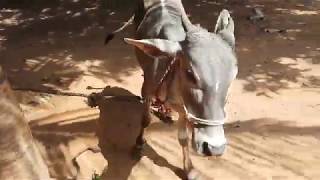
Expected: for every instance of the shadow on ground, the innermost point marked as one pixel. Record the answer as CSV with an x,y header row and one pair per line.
x,y
269,62
52,44
117,127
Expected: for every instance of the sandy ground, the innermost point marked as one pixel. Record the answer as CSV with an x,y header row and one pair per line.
x,y
274,107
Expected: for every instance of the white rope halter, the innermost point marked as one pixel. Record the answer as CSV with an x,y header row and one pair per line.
x,y
209,122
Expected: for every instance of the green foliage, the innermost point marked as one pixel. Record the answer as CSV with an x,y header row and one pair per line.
x,y
95,176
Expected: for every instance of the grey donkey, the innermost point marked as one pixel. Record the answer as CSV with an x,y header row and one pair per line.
x,y
189,69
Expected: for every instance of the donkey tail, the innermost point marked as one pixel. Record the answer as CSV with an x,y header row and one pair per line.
x,y
111,35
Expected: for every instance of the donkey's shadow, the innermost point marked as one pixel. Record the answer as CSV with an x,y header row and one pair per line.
x,y
118,127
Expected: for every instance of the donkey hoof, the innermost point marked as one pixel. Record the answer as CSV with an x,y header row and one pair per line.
x,y
193,175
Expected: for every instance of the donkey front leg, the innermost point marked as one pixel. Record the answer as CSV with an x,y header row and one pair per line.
x,y
184,142
146,119
183,138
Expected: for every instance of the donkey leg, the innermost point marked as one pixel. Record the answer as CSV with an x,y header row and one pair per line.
x,y
184,142
146,119
190,172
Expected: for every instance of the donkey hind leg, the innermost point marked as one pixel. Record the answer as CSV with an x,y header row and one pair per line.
x,y
145,121
190,172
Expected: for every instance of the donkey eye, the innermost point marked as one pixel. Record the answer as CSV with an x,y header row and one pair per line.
x,y
191,76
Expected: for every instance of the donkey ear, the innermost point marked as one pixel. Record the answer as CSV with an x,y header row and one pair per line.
x,y
156,47
225,27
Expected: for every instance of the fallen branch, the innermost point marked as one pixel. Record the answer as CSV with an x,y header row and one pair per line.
x,y
51,91
111,35
92,98
274,30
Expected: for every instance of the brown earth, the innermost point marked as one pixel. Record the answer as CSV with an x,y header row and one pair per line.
x,y
274,108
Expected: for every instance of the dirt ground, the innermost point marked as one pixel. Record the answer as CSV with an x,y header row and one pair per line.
x,y
274,105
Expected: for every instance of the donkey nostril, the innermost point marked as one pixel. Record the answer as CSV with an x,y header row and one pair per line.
x,y
206,149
